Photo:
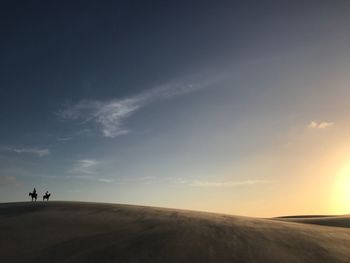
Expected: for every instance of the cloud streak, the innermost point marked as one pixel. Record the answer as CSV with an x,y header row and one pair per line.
x,y
87,169
84,166
202,183
109,116
35,151
9,181
228,183
320,125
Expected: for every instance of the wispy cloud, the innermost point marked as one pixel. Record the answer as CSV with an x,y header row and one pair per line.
x,y
105,180
9,181
320,125
87,169
228,183
84,166
200,183
35,151
94,178
64,139
110,115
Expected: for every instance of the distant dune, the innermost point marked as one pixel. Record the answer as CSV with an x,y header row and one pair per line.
x,y
337,221
91,232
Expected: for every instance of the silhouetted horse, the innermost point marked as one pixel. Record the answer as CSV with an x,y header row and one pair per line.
x,y
46,196
33,195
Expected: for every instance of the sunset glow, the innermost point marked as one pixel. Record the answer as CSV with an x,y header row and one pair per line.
x,y
341,193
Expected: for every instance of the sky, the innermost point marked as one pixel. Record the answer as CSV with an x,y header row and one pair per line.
x,y
236,107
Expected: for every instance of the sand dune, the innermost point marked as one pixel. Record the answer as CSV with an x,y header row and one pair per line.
x,y
90,232
337,221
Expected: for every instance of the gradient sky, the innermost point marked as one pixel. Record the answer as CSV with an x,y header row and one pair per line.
x,y
238,107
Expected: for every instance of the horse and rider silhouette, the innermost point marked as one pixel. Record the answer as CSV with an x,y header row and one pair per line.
x,y
34,195
46,196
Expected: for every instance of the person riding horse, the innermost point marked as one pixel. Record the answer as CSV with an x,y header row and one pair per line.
x,y
46,196
33,195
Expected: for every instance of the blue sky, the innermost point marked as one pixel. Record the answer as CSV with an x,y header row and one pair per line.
x,y
225,106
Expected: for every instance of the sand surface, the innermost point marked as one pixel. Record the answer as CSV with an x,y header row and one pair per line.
x,y
92,232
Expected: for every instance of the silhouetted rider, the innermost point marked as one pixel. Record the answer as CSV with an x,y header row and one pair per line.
x,y
34,191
